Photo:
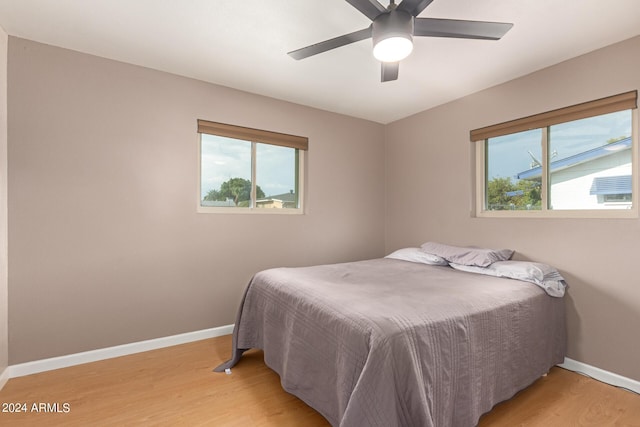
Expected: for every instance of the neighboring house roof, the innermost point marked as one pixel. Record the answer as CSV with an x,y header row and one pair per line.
x,y
286,197
611,185
585,156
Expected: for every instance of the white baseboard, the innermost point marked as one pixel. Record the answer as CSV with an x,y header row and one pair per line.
x,y
601,374
37,366
4,377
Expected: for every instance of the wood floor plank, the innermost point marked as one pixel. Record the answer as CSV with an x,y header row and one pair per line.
x,y
175,386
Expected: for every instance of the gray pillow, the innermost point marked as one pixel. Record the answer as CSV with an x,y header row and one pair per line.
x,y
543,275
480,257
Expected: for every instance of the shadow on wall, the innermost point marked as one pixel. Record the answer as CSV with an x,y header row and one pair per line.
x,y
609,339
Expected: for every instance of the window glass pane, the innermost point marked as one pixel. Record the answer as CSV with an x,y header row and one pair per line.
x,y
590,163
514,171
225,172
276,171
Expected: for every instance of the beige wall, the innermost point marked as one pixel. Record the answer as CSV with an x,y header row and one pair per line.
x,y
429,197
106,246
4,351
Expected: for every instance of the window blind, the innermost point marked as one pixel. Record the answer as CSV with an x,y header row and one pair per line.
x,y
253,135
611,104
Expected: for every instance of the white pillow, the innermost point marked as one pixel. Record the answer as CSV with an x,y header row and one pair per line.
x,y
416,255
543,275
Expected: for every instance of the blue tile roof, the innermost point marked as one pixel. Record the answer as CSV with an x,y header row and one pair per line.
x,y
611,185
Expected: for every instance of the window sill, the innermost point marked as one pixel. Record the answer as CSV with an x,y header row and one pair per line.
x,y
591,214
249,211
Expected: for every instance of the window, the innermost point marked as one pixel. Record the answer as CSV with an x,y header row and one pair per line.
x,y
249,170
578,161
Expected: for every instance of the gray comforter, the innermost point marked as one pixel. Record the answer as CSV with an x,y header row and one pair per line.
x,y
390,343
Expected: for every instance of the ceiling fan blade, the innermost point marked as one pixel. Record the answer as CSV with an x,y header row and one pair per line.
x,y
432,27
326,45
414,7
370,8
389,71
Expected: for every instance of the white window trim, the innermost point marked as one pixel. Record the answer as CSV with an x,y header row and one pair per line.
x,y
480,187
302,154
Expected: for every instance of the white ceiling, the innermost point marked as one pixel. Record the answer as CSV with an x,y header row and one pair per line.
x,y
243,44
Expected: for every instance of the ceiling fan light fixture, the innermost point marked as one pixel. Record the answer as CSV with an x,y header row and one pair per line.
x,y
393,49
392,36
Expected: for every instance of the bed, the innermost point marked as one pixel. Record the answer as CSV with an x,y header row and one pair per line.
x,y
387,342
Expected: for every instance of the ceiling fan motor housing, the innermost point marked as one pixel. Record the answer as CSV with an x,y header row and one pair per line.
x,y
396,23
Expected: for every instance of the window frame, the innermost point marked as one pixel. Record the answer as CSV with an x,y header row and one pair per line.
x,y
479,138
254,136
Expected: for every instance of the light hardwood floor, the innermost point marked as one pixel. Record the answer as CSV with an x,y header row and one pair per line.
x,y
175,386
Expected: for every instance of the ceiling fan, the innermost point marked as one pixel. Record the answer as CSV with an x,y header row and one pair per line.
x,y
394,27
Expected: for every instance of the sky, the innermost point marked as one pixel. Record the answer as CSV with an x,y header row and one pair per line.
x,y
224,158
509,155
